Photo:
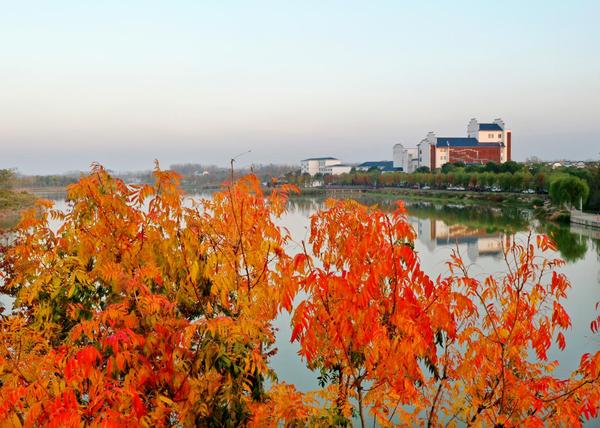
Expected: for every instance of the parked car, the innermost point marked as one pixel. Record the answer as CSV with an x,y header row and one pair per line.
x,y
425,188
529,191
496,189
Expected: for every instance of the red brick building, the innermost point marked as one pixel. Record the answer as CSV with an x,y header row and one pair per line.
x,y
486,142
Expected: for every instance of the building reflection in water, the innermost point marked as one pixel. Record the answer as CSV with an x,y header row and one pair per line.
x,y
480,242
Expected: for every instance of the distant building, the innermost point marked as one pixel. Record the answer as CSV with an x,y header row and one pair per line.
x,y
315,166
336,169
485,142
383,166
405,159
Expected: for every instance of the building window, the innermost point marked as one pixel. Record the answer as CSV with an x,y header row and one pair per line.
x,y
499,135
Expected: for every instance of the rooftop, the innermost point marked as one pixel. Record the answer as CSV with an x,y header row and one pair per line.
x,y
378,164
489,127
456,142
463,142
318,159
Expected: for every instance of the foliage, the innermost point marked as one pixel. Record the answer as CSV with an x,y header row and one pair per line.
x,y
140,309
488,376
373,322
372,315
568,189
149,310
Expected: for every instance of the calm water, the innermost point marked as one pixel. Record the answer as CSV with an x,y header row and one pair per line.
x,y
478,232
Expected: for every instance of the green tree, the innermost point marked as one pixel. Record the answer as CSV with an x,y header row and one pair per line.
x,y
492,167
569,190
510,166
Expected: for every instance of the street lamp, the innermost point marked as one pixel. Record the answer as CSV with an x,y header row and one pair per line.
x,y
233,159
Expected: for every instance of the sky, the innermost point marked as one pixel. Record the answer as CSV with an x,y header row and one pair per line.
x,y
127,82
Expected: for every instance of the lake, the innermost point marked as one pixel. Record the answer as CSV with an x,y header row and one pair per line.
x,y
478,232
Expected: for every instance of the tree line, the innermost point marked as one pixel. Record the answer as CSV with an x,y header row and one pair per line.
x,y
565,186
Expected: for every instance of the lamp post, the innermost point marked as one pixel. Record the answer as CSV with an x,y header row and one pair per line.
x,y
233,159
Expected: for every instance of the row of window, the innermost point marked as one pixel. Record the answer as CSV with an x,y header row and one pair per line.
x,y
491,135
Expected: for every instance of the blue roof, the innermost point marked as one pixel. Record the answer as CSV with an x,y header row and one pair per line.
x,y
456,142
489,127
378,164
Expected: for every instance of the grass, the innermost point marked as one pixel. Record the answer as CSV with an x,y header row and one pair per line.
x,y
11,204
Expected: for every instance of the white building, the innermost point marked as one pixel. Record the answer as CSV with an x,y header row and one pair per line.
x,y
314,166
405,158
335,169
424,150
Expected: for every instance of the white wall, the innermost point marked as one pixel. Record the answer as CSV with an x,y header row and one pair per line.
x,y
329,162
400,153
423,152
411,159
336,169
490,136
441,156
310,166
315,166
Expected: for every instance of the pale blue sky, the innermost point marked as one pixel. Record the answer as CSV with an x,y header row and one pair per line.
x,y
124,82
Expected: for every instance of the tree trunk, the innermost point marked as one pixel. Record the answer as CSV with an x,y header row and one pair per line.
x,y
360,408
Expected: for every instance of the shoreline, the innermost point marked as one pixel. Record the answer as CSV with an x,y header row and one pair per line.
x,y
539,203
12,204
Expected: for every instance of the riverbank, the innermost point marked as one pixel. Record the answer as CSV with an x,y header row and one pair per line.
x,y
11,205
540,204
466,197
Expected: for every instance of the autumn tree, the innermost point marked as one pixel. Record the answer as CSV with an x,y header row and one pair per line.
x,y
459,350
372,318
496,371
141,309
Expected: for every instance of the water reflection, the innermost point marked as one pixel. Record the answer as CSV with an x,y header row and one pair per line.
x,y
482,229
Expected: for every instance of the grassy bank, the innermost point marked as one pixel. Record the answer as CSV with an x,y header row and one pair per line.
x,y
10,200
464,197
540,204
11,205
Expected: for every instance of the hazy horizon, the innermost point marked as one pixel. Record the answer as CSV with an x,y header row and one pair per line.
x,y
124,84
